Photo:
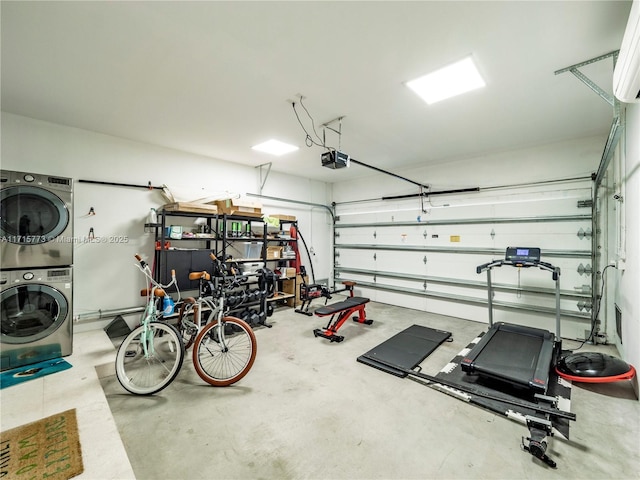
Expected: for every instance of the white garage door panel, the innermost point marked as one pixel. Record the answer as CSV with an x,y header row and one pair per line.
x,y
402,262
354,277
467,311
459,266
401,235
394,298
547,205
363,291
569,327
355,236
360,259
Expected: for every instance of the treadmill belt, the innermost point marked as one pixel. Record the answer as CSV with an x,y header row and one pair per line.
x,y
405,349
557,387
513,356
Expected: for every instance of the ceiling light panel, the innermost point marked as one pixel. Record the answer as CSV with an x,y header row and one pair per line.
x,y
275,147
450,81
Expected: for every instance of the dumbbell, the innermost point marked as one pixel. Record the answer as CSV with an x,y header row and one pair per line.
x,y
254,317
231,300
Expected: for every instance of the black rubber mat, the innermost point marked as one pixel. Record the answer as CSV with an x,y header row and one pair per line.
x,y
405,349
558,388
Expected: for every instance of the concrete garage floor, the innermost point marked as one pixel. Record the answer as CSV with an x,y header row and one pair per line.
x,y
307,409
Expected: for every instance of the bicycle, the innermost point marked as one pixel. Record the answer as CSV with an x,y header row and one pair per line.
x,y
151,356
224,348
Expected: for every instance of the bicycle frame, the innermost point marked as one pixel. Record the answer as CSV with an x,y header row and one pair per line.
x,y
151,355
156,291
215,301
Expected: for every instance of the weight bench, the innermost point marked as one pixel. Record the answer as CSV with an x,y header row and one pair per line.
x,y
342,310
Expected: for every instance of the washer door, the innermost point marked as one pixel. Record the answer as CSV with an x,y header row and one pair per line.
x,y
31,312
31,215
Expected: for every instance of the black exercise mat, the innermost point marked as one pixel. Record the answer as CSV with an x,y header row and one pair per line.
x,y
557,387
405,349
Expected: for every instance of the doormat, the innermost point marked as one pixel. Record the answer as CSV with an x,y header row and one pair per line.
x,y
47,448
29,372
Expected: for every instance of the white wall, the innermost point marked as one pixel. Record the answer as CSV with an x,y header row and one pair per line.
x,y
104,274
627,296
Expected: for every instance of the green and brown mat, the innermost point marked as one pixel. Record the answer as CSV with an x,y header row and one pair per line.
x,y
47,448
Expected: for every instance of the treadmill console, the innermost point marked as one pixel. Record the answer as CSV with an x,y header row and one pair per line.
x,y
522,255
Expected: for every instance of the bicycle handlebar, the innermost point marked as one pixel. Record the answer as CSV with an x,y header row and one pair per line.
x,y
144,268
142,263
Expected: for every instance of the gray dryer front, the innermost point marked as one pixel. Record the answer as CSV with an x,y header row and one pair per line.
x,y
36,221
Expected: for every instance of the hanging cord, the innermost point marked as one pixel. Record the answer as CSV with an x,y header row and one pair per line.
x,y
313,123
595,322
309,141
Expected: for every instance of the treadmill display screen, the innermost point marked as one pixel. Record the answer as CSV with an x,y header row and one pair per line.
x,y
522,254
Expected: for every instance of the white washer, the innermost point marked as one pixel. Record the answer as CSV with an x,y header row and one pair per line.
x,y
36,221
35,315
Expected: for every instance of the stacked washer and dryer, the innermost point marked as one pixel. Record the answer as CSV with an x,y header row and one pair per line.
x,y
36,268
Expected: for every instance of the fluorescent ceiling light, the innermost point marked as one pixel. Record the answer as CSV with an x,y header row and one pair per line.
x,y
449,81
275,147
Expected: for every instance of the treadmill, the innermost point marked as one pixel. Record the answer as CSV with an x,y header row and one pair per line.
x,y
517,355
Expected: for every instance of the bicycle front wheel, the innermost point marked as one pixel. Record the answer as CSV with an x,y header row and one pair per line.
x,y
149,358
224,357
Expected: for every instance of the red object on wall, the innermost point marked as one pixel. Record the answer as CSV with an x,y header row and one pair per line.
x,y
295,263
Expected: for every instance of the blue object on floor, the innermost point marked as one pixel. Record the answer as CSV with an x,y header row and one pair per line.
x,y
29,372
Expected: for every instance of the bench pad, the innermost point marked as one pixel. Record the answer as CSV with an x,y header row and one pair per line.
x,y
348,304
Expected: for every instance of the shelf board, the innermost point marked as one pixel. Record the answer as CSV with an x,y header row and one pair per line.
x,y
245,239
280,296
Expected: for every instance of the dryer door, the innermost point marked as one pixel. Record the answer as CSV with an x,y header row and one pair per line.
x,y
31,312
31,215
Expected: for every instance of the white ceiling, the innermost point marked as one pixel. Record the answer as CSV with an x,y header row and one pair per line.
x,y
214,78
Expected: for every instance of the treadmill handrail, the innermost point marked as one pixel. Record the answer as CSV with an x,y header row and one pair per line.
x,y
499,263
555,273
489,265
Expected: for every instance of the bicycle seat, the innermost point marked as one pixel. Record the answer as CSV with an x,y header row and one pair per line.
x,y
199,275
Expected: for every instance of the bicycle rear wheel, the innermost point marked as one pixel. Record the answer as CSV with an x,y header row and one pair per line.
x,y
221,365
188,319
147,373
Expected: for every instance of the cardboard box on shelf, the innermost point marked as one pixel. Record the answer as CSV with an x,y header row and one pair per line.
x,y
239,206
288,286
284,218
274,253
288,272
189,207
